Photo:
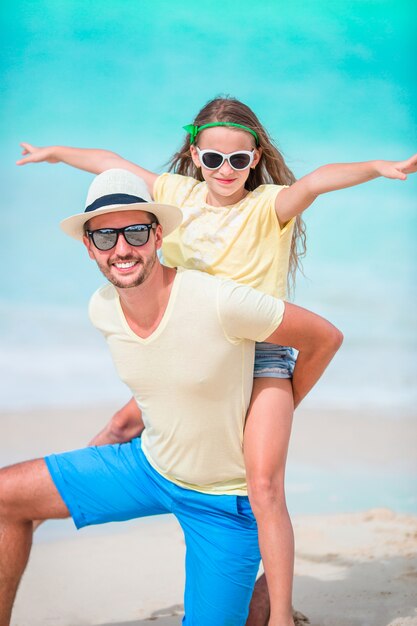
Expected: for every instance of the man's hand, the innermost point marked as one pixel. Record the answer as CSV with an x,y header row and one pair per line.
x,y
124,425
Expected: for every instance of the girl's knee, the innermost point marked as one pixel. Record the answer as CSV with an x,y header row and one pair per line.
x,y
266,493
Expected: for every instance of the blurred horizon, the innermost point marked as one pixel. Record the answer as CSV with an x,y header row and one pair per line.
x,y
331,81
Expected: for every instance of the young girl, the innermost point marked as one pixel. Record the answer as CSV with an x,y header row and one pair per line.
x,y
242,211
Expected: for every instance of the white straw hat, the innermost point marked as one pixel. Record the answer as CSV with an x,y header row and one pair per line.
x,y
119,190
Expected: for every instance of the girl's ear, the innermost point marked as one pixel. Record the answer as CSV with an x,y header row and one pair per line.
x,y
194,156
257,157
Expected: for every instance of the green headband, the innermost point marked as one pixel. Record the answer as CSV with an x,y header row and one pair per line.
x,y
194,130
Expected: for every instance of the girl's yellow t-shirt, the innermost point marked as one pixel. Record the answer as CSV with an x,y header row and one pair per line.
x,y
243,241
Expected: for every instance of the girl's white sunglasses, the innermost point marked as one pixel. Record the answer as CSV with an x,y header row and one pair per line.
x,y
213,160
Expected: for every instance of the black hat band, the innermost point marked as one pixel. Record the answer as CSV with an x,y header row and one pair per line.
x,y
113,198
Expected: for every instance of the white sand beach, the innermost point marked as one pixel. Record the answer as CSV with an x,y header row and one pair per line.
x,y
352,569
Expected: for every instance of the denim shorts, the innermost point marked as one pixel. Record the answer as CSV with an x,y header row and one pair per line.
x,y
273,361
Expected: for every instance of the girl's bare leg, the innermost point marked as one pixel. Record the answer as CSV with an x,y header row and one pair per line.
x,y
266,438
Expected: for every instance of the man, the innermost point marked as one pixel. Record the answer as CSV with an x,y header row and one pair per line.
x,y
183,342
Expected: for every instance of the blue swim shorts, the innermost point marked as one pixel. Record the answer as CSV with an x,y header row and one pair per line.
x,y
116,483
273,361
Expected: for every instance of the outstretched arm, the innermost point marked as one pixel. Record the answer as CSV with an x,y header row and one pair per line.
x,y
89,159
317,341
296,198
124,425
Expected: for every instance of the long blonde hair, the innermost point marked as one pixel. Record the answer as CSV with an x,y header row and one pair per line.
x,y
270,169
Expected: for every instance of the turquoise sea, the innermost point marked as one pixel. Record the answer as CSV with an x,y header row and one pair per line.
x,y
332,81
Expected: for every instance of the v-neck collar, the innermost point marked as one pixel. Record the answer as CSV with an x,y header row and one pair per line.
x,y
164,320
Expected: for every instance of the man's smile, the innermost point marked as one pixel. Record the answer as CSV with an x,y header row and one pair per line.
x,y
124,265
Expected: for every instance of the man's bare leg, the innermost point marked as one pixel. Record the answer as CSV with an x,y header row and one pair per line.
x,y
259,605
27,493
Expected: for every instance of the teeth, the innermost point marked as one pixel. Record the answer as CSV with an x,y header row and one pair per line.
x,y
124,266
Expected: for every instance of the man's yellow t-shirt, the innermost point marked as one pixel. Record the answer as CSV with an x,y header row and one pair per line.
x,y
192,378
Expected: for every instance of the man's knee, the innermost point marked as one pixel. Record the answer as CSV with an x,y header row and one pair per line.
x,y
10,489
26,488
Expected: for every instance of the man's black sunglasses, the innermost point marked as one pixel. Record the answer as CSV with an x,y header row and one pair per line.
x,y
106,238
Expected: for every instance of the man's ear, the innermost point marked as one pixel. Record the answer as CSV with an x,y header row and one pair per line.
x,y
158,237
87,243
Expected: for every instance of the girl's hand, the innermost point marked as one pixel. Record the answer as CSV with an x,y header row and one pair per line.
x,y
397,169
89,159
37,155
